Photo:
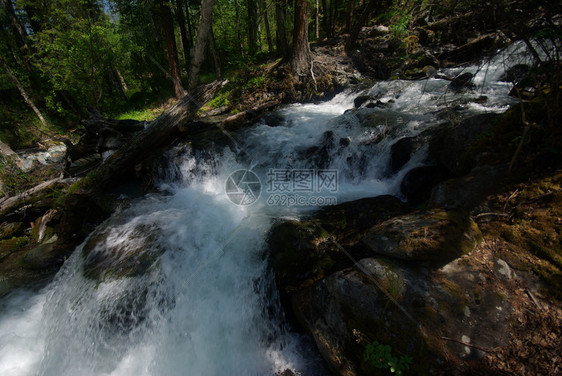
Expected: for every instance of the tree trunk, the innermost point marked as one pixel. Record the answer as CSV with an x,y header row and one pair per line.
x,y
282,44
23,93
167,25
352,39
317,20
203,33
20,36
302,57
326,18
335,6
185,43
215,54
189,27
263,6
238,30
121,80
252,27
349,16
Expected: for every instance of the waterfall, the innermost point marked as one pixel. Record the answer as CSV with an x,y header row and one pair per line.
x,y
199,298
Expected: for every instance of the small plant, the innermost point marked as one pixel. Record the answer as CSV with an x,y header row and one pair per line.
x,y
380,356
220,100
400,28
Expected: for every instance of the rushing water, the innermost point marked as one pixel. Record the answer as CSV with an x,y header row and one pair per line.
x,y
208,305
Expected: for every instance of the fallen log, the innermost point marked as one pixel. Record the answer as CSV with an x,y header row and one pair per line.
x,y
31,196
162,130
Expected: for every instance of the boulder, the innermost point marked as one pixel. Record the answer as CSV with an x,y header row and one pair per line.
x,y
415,313
417,184
450,145
358,101
118,250
515,73
470,190
9,230
303,252
436,235
44,256
462,82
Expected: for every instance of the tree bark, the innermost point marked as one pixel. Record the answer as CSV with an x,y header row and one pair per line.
x,y
301,58
263,7
349,16
352,39
238,30
20,35
167,25
317,20
23,93
282,44
185,43
215,54
326,18
252,27
203,33
189,27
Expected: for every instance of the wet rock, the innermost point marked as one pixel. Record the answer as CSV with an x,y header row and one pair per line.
x,y
516,73
418,183
436,235
401,152
305,251
462,82
118,250
320,154
44,256
360,100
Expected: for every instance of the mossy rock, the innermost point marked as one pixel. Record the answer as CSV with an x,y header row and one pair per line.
x,y
297,254
44,256
9,246
435,235
10,230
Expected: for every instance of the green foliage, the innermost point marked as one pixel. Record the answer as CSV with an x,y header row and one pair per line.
x,y
258,82
398,20
380,356
400,28
220,100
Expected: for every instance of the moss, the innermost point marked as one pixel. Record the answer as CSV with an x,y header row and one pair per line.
x,y
452,289
10,230
12,245
477,296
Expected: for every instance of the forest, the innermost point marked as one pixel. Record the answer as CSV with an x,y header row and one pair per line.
x,y
130,244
